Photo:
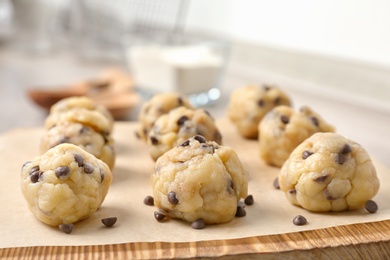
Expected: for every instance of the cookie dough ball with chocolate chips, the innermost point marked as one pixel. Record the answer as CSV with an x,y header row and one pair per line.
x,y
158,105
329,172
99,145
283,129
177,126
81,110
199,179
249,104
65,185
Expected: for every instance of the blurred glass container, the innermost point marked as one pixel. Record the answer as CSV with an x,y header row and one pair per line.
x,y
194,68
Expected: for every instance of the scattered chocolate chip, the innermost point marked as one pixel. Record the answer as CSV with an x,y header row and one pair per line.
x,y
306,154
240,212
79,159
249,200
292,192
185,143
149,200
198,224
109,222
299,220
88,168
153,140
371,206
341,158
66,228
159,216
346,149
260,102
321,178
62,172
34,177
34,169
181,120
172,198
200,138
276,183
284,119
315,121
277,100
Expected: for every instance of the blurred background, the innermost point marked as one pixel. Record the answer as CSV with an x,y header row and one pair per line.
x,y
334,49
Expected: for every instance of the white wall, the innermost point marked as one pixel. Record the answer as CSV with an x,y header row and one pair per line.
x,y
353,29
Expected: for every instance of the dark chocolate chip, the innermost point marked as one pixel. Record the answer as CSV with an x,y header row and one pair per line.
x,y
293,192
341,158
306,154
181,120
153,140
240,212
79,159
284,119
149,200
260,102
299,220
34,177
109,222
321,178
346,149
371,206
200,138
249,200
276,183
172,198
88,168
277,100
62,172
198,224
34,169
66,228
315,121
185,143
159,216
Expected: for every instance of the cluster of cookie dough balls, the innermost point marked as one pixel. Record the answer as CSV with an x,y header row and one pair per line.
x,y
70,179
320,170
196,178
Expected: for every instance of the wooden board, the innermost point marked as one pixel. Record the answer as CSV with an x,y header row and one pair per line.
x,y
352,241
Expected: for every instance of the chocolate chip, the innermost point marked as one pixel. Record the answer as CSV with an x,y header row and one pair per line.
x,y
292,192
88,168
34,177
149,200
181,120
284,119
34,169
200,138
153,140
260,102
299,220
321,178
315,121
306,154
346,149
240,212
159,216
62,172
328,195
277,100
66,228
79,159
172,198
341,158
185,143
276,183
249,200
371,206
198,224
109,222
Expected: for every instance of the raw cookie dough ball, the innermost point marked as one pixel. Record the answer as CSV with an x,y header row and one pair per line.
x,y
158,105
81,110
283,129
249,104
65,185
95,143
328,172
199,179
177,126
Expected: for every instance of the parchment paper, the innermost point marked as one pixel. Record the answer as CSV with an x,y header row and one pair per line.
x,y
271,213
